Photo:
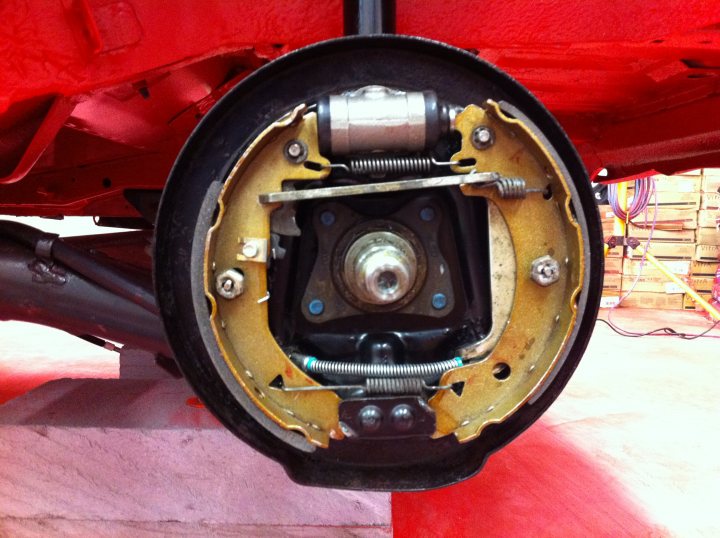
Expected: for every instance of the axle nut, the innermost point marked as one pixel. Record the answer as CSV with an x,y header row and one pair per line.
x,y
545,270
380,268
230,283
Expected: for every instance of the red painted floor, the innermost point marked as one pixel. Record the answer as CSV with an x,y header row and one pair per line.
x,y
540,485
629,449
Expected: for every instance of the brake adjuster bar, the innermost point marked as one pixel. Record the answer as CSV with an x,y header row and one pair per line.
x,y
507,187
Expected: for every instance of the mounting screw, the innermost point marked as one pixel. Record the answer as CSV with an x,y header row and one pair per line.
x,y
427,214
296,151
402,417
545,270
439,301
370,418
327,218
482,137
229,284
250,250
316,307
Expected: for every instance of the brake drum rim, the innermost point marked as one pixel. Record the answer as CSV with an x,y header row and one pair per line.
x,y
189,201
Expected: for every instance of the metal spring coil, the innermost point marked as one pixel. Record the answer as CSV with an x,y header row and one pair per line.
x,y
380,166
394,385
421,370
511,187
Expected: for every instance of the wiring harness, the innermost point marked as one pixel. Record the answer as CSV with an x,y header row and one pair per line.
x,y
645,191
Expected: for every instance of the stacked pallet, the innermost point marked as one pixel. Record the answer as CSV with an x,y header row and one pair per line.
x,y
672,242
707,249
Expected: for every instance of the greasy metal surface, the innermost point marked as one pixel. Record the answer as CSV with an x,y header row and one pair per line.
x,y
542,318
241,325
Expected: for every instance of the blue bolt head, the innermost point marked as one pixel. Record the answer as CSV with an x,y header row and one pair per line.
x,y
427,213
316,307
439,301
327,218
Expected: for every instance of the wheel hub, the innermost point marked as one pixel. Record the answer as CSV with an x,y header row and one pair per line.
x,y
380,268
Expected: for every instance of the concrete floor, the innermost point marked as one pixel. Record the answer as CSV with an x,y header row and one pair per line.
x,y
629,449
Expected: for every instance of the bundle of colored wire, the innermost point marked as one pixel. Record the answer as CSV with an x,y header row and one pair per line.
x,y
644,190
648,186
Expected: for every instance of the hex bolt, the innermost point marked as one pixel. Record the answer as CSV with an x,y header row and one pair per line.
x,y
250,250
316,307
327,218
402,417
427,214
482,137
230,284
439,301
545,270
370,418
296,151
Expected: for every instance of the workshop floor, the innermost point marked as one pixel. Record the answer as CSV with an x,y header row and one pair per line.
x,y
629,449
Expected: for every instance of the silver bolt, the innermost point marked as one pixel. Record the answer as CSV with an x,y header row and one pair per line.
x,y
545,270
229,284
482,137
296,151
370,418
249,250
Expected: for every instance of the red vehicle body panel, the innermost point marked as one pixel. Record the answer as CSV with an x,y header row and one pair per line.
x,y
98,96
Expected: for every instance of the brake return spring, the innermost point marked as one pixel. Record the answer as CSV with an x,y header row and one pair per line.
x,y
394,385
384,165
511,187
420,370
383,386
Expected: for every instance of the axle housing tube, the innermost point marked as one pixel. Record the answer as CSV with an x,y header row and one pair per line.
x,y
40,290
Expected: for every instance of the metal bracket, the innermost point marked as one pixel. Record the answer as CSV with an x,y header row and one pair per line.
x,y
253,249
390,417
619,241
